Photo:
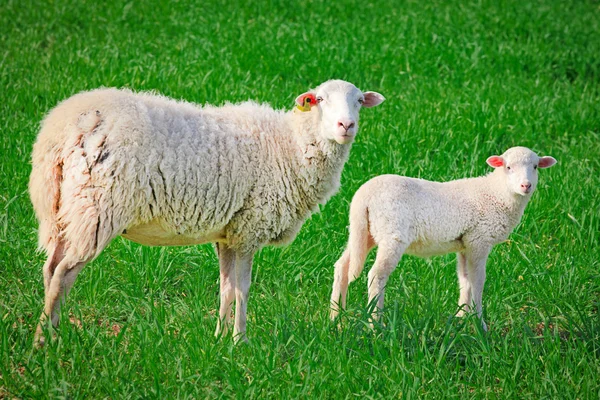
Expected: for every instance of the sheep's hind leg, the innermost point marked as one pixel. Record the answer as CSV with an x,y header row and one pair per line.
x,y
58,287
227,287
340,284
388,256
55,256
464,285
243,274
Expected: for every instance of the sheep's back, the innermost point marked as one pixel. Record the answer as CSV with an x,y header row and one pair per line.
x,y
148,158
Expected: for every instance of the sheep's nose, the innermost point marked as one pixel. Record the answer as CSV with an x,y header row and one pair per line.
x,y
526,187
346,124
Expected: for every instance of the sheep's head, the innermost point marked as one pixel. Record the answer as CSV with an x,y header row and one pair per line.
x,y
520,166
338,103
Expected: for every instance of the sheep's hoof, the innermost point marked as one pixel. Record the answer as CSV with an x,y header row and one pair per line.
x,y
39,340
240,338
221,333
460,313
39,343
484,326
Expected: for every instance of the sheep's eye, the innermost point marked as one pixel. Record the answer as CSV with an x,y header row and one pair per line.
x,y
508,168
319,99
535,167
361,101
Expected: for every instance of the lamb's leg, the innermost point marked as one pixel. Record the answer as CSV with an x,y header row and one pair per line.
x,y
388,255
476,260
227,284
59,286
243,274
464,285
340,284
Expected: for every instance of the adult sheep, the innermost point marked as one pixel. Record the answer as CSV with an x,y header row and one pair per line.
x,y
161,172
423,218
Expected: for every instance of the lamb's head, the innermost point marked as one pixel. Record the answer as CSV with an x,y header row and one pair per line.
x,y
519,166
338,103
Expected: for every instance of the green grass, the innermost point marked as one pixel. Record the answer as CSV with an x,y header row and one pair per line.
x,y
463,80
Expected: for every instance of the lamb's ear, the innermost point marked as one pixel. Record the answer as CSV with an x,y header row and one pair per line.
x,y
372,99
495,161
546,162
300,99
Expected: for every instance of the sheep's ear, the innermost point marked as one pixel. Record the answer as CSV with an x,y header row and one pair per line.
x,y
495,161
546,162
372,99
300,99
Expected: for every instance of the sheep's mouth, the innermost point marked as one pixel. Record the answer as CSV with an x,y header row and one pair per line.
x,y
344,138
524,192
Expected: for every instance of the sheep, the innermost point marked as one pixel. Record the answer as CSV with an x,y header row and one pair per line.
x,y
404,215
162,172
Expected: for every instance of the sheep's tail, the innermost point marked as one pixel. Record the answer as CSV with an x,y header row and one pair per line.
x,y
69,156
59,149
44,186
358,243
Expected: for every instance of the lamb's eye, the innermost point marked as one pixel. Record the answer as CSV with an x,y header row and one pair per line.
x,y
361,101
319,99
508,168
535,167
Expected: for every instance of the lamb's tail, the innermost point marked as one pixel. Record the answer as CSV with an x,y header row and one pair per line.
x,y
358,243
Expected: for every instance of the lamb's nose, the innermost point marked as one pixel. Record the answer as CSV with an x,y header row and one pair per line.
x,y
526,186
346,124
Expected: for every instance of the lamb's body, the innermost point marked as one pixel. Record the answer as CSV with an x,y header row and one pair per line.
x,y
161,172
452,216
412,216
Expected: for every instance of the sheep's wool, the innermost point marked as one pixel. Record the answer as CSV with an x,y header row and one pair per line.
x,y
163,172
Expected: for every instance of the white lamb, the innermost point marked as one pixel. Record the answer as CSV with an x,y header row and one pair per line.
x,y
162,172
424,218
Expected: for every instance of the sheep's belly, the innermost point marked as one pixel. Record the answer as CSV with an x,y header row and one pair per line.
x,y
155,234
423,249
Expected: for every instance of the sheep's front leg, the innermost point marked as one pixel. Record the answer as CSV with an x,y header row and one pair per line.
x,y
227,287
464,285
388,255
340,284
476,260
243,274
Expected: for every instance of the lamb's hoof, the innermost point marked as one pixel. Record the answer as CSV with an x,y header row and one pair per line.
x,y
460,313
484,326
333,315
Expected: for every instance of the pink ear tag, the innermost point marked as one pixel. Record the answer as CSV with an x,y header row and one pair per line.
x,y
307,102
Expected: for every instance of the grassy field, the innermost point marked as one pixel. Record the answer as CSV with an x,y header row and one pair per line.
x,y
462,81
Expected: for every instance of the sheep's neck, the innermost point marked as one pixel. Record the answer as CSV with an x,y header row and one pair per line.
x,y
320,161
